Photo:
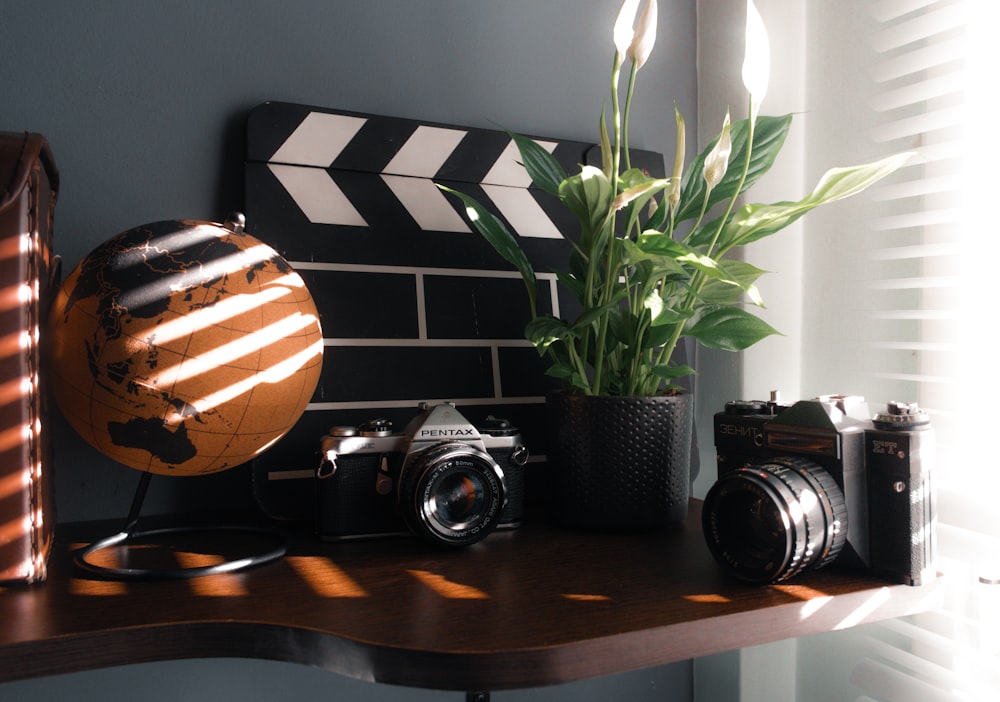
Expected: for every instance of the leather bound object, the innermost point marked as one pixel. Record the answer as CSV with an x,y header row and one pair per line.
x,y
29,183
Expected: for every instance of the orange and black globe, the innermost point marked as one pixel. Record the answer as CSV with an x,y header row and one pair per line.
x,y
183,347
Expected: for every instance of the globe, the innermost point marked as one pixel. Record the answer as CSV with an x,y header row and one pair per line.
x,y
183,347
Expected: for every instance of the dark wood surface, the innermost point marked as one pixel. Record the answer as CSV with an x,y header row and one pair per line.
x,y
536,606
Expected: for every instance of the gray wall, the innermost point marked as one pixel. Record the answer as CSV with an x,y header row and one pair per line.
x,y
144,103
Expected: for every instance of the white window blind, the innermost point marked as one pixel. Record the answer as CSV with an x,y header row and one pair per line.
x,y
901,301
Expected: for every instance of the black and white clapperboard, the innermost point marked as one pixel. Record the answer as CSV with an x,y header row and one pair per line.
x,y
415,305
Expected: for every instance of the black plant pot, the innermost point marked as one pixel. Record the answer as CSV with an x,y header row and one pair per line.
x,y
620,462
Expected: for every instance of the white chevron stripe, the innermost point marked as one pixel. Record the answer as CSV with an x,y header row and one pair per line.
x,y
507,169
425,152
318,140
426,204
317,195
522,211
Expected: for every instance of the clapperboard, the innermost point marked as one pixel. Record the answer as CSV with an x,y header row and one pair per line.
x,y
415,305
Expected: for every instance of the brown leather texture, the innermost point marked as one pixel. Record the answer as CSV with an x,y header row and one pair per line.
x,y
29,184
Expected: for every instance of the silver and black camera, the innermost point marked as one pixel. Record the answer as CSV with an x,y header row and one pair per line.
x,y
805,484
441,477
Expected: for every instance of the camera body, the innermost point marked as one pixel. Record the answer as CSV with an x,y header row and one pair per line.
x,y
808,483
441,477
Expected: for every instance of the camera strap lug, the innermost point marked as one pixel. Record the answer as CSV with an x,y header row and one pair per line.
x,y
383,482
328,466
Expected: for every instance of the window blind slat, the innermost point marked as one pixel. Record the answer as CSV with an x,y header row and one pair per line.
x,y
922,283
915,264
941,53
917,219
890,10
923,26
913,346
951,183
926,251
917,92
908,127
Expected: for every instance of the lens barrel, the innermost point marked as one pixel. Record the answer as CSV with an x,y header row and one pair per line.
x,y
768,522
452,493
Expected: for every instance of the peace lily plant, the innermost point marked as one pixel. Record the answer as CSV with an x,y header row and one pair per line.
x,y
650,263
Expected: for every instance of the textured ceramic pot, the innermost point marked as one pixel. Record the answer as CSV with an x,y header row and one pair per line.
x,y
620,462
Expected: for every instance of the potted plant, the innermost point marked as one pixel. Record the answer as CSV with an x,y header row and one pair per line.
x,y
651,265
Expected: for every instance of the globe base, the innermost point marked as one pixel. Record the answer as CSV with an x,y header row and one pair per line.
x,y
145,543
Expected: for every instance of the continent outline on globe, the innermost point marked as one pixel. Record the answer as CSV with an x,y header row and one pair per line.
x,y
184,347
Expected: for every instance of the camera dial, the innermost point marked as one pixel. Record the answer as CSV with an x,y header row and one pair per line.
x,y
901,416
496,426
343,431
746,407
376,427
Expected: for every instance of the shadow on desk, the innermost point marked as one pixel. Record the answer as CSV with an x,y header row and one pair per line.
x,y
536,606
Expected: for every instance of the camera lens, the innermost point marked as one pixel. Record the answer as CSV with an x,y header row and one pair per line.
x,y
457,497
768,522
452,493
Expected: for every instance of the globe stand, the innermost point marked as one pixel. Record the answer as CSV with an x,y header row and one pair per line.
x,y
132,536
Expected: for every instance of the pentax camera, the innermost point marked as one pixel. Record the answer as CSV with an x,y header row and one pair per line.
x,y
442,478
804,484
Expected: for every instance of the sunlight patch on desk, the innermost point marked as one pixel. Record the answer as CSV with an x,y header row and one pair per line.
x,y
97,588
578,597
446,588
220,585
708,598
814,599
85,587
878,598
325,577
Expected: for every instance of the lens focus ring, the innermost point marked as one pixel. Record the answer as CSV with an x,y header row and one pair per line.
x,y
452,493
768,522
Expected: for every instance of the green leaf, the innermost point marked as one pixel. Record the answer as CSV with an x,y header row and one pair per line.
x,y
661,334
660,312
572,283
561,371
757,221
769,136
590,316
706,264
654,243
588,195
545,330
728,273
740,278
730,329
497,234
663,258
638,194
622,326
669,372
545,171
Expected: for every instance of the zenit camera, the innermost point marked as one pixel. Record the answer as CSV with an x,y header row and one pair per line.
x,y
805,484
441,477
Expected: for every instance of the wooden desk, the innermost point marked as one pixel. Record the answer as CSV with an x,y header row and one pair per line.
x,y
537,606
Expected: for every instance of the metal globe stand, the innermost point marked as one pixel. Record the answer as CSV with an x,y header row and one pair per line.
x,y
131,535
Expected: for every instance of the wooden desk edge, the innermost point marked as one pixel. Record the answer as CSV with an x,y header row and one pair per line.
x,y
569,661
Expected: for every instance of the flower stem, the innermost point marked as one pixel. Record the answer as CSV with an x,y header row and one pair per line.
x,y
628,109
699,279
607,289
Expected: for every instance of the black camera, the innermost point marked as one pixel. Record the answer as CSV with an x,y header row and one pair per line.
x,y
804,484
442,478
